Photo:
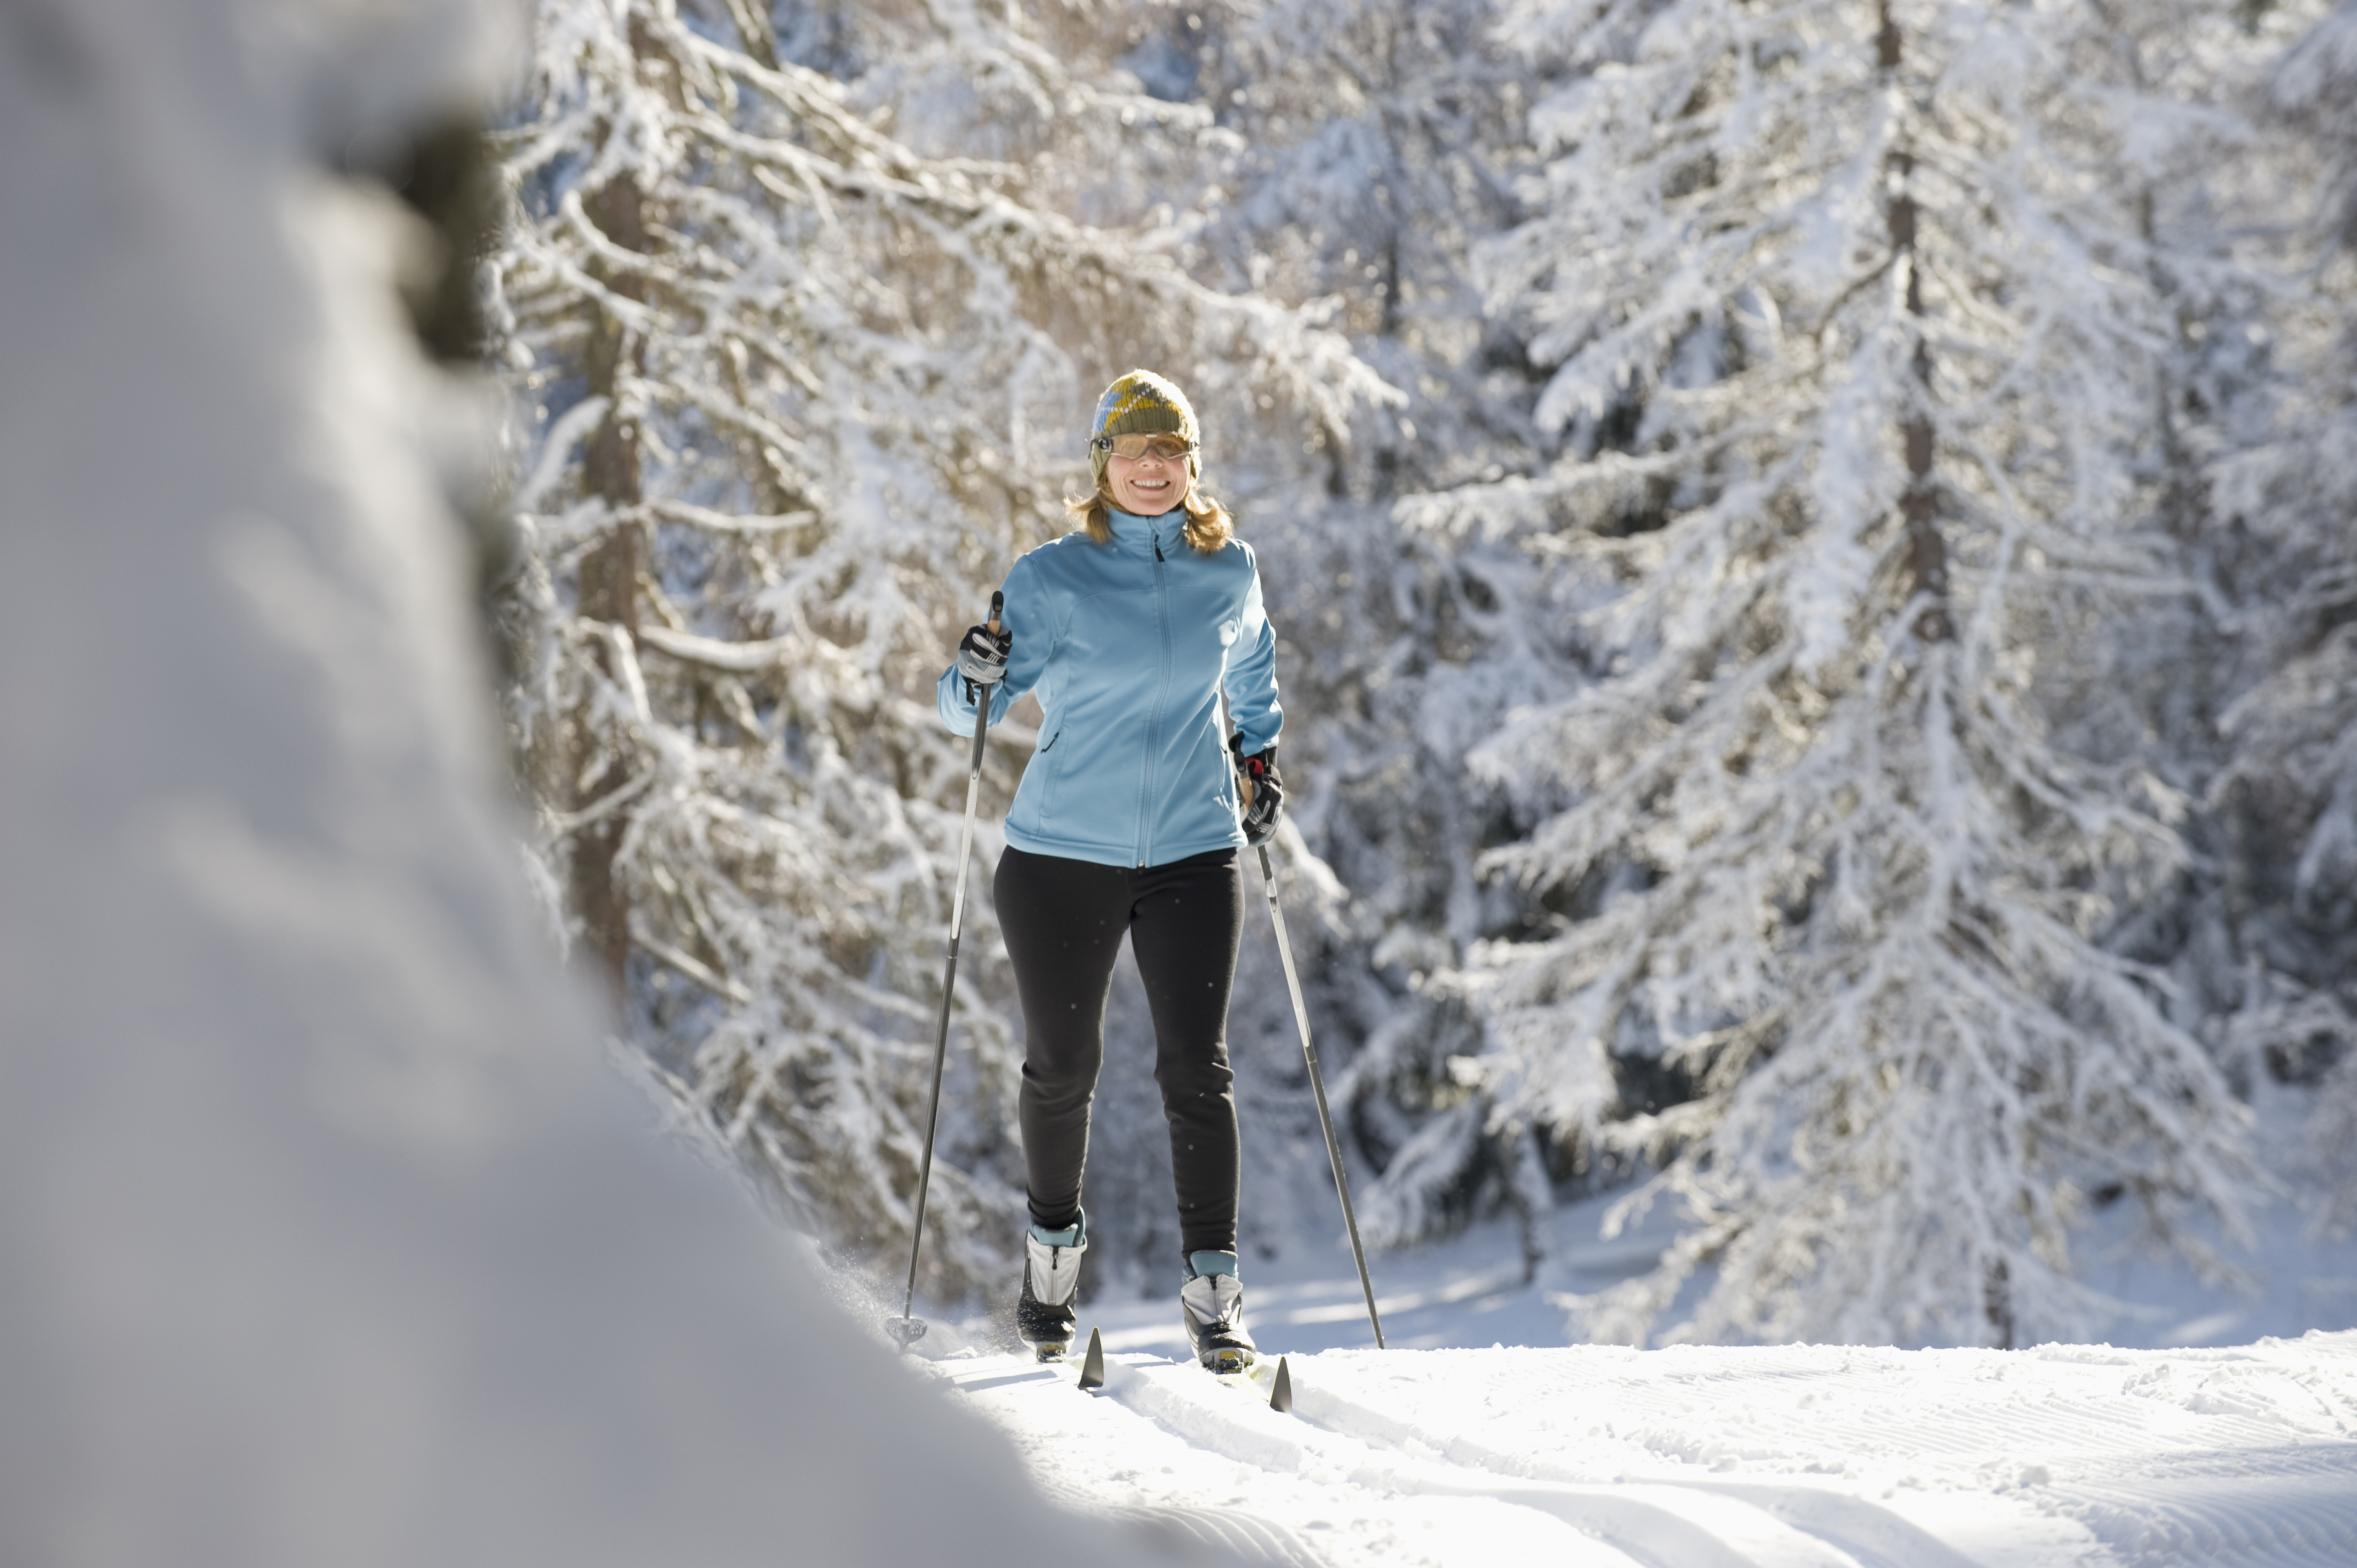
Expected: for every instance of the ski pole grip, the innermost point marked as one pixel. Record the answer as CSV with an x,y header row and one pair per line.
x,y
997,601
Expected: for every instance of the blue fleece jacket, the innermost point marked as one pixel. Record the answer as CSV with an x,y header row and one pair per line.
x,y
1128,644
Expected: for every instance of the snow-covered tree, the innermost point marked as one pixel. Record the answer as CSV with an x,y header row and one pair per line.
x,y
804,353
2291,494
1857,331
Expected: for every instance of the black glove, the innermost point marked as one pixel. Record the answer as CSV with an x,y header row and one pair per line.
x,y
982,657
1263,788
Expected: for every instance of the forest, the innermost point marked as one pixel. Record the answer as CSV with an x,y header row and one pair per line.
x,y
1812,548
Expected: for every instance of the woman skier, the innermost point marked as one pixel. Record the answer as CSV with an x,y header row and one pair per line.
x,y
1128,629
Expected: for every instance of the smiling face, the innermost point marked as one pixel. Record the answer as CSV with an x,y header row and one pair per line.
x,y
1148,486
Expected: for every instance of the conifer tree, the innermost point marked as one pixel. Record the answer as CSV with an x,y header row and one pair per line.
x,y
1855,348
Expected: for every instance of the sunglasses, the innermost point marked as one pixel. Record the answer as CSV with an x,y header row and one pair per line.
x,y
1169,449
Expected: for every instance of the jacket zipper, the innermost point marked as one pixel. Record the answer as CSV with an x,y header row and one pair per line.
x,y
1153,719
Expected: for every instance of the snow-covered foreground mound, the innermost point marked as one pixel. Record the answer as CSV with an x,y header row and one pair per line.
x,y
1802,1456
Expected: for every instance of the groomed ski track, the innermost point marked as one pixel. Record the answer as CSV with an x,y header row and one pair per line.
x,y
1804,1456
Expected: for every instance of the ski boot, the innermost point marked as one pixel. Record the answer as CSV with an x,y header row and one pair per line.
x,y
1212,1301
1044,1319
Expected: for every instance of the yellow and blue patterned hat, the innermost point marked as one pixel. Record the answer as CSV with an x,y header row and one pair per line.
x,y
1143,403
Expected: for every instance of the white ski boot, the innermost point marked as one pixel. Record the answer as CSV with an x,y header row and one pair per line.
x,y
1044,1317
1212,1301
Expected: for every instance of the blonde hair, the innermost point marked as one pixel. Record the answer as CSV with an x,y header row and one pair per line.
x,y
1209,526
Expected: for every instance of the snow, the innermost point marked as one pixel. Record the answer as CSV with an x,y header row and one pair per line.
x,y
1708,1457
2221,1428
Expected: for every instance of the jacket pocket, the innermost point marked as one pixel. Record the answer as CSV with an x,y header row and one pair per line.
x,y
1049,767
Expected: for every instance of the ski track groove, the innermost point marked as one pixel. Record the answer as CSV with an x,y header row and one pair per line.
x,y
1765,1527
1658,1526
1053,1426
2301,1512
1247,1535
1699,1458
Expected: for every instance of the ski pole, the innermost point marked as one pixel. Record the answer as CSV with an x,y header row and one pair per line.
x,y
907,1328
1317,1083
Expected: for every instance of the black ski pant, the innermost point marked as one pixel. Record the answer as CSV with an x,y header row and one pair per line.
x,y
1064,921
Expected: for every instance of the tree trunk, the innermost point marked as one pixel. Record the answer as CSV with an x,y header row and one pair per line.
x,y
1997,1304
609,588
1927,547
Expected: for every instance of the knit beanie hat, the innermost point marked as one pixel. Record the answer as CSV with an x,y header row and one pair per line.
x,y
1143,403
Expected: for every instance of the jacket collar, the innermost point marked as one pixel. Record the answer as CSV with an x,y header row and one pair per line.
x,y
1145,535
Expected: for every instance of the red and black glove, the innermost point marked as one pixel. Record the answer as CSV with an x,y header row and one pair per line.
x,y
1261,788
